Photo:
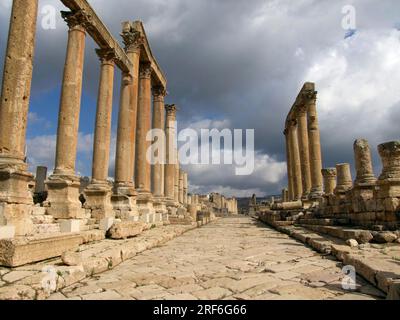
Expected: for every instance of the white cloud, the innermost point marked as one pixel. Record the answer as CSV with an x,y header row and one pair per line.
x,y
358,89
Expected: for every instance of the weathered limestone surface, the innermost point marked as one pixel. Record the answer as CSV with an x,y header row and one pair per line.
x,y
213,262
344,180
20,251
330,176
125,229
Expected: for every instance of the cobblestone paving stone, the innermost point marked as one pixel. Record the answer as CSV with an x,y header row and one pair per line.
x,y
231,258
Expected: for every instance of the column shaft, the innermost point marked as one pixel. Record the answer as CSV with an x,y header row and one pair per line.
x,y
315,145
102,133
289,165
143,166
17,77
295,162
158,123
70,104
302,133
170,132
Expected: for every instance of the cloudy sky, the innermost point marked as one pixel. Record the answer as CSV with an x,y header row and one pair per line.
x,y
239,64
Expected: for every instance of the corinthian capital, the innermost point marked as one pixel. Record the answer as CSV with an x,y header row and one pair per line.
x,y
77,18
170,109
106,55
132,39
145,70
159,92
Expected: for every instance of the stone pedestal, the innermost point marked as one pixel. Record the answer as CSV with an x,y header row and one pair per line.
x,y
98,200
63,198
124,201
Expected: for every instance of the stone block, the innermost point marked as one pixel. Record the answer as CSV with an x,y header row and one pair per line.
x,y
7,232
20,251
70,226
106,223
125,229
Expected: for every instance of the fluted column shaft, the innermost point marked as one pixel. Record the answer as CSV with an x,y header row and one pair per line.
x,y
71,91
157,173
315,145
170,132
302,133
102,133
295,161
17,77
143,166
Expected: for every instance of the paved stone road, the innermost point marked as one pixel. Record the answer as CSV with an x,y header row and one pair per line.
x,y
231,258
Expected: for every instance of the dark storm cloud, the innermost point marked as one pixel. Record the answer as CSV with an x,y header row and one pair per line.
x,y
234,60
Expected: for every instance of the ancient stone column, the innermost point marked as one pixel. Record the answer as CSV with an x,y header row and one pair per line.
x,y
133,41
295,161
157,173
344,180
124,188
98,193
289,165
185,188
314,145
329,175
15,198
389,180
63,185
177,178
170,132
302,133
363,163
143,166
181,191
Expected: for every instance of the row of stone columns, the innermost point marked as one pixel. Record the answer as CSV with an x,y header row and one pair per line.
x,y
303,148
137,183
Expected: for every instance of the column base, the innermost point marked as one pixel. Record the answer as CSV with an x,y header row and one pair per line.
x,y
98,200
172,207
160,205
63,197
316,194
16,202
145,203
124,201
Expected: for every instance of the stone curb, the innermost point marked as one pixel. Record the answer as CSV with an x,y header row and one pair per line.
x,y
39,281
385,279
